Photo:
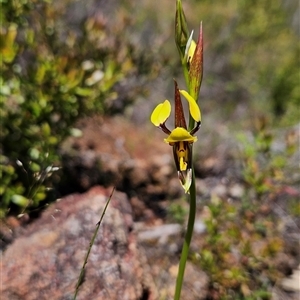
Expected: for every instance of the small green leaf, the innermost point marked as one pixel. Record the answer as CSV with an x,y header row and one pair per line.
x,y
46,129
34,167
20,200
34,153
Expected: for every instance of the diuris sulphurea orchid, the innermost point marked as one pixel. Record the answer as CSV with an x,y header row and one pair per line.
x,y
179,138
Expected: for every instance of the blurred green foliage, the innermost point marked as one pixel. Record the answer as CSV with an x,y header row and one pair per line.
x,y
239,252
252,56
55,69
266,169
177,212
244,243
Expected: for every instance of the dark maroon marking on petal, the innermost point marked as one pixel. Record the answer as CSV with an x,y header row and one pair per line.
x,y
179,114
196,128
164,128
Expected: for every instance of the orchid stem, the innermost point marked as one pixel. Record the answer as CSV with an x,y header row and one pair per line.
x,y
187,239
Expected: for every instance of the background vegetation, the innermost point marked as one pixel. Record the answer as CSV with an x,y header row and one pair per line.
x,y
55,70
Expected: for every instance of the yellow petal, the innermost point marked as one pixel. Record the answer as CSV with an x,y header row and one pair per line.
x,y
191,50
190,47
161,113
180,134
183,164
193,106
182,155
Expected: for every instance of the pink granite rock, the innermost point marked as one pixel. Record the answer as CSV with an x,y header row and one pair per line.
x,y
45,259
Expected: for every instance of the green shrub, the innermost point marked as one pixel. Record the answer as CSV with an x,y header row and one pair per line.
x,y
243,244
252,56
53,73
239,252
265,169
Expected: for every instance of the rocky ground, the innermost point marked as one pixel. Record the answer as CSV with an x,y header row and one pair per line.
x,y
136,252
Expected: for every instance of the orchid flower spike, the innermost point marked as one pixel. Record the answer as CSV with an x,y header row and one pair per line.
x,y
179,138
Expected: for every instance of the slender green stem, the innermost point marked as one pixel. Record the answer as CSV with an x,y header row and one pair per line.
x,y
187,239
185,72
80,279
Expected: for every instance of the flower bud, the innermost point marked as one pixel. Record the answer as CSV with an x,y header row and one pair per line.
x,y
181,29
196,67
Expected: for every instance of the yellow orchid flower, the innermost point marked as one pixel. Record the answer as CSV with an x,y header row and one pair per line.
x,y
179,138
